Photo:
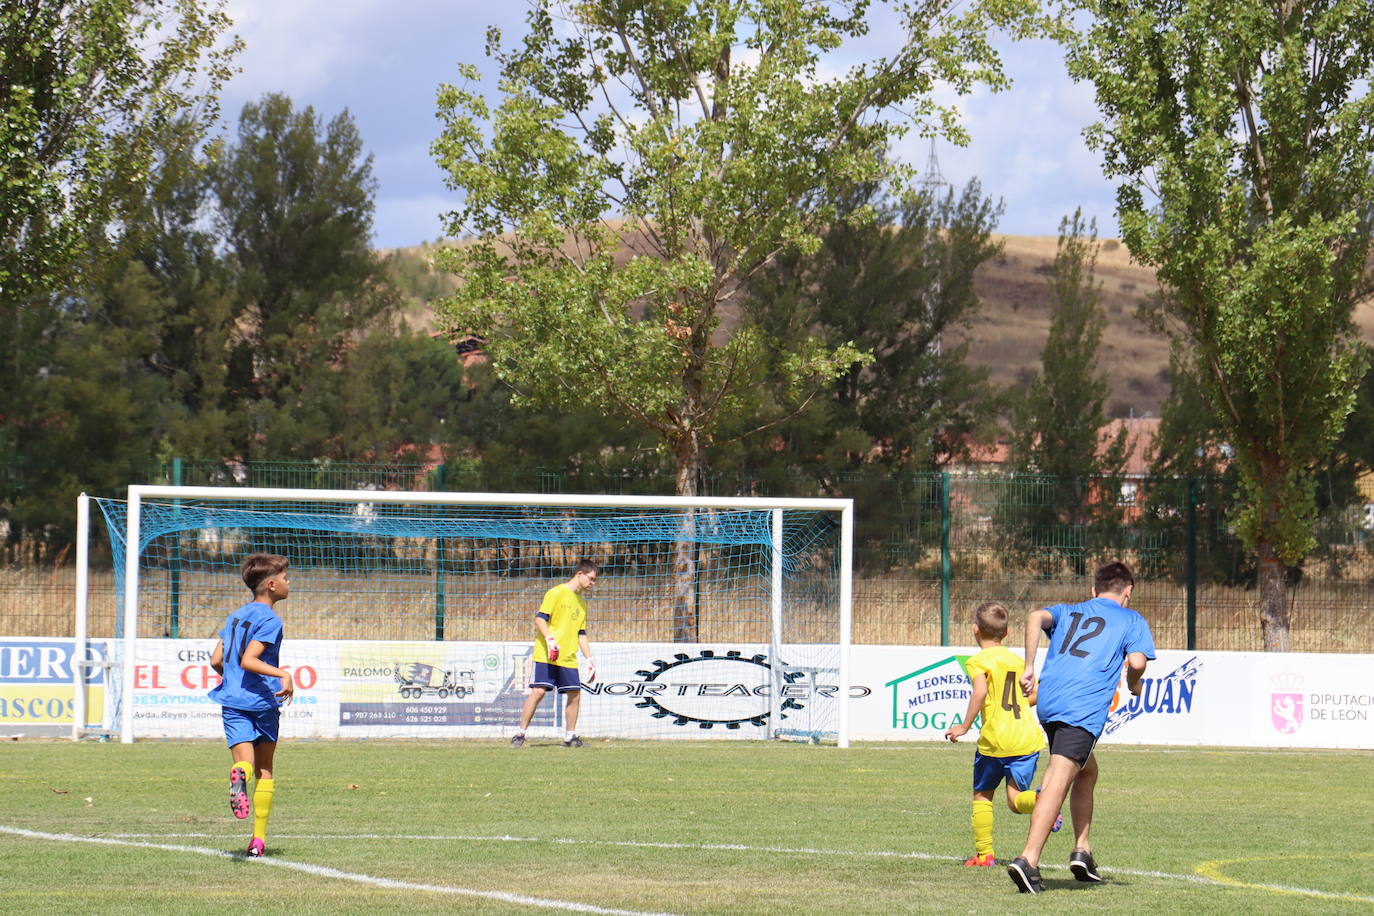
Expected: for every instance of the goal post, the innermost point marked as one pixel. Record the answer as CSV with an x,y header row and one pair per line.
x,y
411,612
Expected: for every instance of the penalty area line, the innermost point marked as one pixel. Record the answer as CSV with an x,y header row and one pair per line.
x,y
1204,879
325,872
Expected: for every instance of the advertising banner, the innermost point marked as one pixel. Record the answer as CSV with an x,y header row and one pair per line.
x,y
36,692
704,690
173,677
1231,699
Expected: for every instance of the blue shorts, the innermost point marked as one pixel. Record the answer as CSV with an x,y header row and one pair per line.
x,y
988,772
255,725
555,676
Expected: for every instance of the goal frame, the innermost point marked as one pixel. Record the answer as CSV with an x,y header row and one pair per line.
x,y
138,492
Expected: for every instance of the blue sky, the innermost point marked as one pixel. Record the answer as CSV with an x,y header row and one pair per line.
x,y
383,61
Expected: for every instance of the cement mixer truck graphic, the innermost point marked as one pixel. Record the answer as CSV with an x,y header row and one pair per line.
x,y
417,680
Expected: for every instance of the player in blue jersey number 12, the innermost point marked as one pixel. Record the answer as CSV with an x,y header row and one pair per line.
x,y
1088,644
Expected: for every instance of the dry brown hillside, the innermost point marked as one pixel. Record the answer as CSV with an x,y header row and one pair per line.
x,y
1014,320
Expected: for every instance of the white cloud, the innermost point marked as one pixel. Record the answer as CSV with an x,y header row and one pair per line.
x,y
300,45
383,60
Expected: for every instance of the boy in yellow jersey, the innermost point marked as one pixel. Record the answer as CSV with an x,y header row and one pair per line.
x,y
1010,739
562,625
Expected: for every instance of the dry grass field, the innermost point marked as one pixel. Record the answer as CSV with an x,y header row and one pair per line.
x,y
1325,616
1018,304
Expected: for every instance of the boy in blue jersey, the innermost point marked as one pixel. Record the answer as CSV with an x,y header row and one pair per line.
x,y
252,688
1089,642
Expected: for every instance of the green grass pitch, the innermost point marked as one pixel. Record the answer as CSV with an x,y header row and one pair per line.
x,y
726,827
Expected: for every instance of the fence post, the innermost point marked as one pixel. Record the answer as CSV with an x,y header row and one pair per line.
x,y
944,558
174,564
440,567
1190,564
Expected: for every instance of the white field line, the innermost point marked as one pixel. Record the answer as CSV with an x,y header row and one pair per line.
x,y
739,847
323,872
1109,750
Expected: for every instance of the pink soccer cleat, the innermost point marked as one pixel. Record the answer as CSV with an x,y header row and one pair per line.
x,y
238,793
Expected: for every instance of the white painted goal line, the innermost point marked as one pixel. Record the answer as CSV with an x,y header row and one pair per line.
x,y
325,872
638,844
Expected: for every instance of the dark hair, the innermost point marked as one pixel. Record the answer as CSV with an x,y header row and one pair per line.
x,y
1112,578
260,567
991,620
587,566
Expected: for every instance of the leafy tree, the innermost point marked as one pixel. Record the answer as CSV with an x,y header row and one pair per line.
x,y
1352,456
295,204
900,287
136,362
1245,161
98,405
169,240
1191,460
395,394
1340,504
1057,424
700,139
586,451
88,88
705,131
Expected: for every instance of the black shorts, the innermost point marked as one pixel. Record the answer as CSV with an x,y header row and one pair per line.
x,y
1071,741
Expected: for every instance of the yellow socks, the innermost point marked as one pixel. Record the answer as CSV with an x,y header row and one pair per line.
x,y
1025,802
262,806
982,827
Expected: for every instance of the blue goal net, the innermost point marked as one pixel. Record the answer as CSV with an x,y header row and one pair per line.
x,y
416,618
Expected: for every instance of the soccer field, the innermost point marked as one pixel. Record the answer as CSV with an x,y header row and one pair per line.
x,y
366,826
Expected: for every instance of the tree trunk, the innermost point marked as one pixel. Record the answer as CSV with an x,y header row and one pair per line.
x,y
1272,612
686,622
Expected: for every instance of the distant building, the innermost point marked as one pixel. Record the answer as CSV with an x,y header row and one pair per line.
x,y
1141,432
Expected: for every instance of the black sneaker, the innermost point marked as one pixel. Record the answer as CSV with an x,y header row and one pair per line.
x,y
1083,867
517,741
1025,876
574,741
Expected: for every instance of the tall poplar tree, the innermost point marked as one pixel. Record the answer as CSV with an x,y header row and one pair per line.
x,y
1057,424
88,91
1242,133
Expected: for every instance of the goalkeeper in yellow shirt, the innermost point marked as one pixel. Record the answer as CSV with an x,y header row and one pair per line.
x,y
1010,739
562,633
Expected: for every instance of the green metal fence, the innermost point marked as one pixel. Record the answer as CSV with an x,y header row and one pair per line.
x,y
931,546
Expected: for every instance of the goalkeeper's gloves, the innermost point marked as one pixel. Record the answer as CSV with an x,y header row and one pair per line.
x,y
553,648
591,671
